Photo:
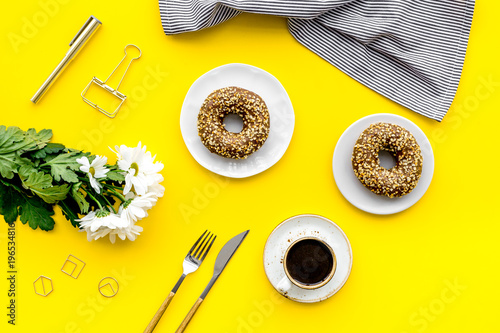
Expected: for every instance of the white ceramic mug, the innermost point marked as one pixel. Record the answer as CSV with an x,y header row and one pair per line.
x,y
288,281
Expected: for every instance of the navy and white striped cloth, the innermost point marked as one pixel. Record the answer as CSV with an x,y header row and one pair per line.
x,y
411,51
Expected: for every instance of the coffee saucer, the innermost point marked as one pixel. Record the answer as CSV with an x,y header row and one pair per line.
x,y
301,226
352,189
282,119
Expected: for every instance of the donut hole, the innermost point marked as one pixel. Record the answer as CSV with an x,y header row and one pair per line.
x,y
233,123
387,159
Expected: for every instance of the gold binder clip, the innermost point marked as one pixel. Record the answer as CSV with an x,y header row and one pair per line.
x,y
107,88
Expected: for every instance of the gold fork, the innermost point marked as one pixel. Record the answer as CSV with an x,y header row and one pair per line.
x,y
191,263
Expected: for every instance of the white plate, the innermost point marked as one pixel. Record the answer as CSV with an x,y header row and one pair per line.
x,y
281,114
352,189
298,227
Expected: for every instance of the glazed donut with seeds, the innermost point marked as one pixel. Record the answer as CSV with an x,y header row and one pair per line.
x,y
400,179
249,106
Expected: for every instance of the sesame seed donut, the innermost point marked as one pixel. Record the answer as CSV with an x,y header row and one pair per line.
x,y
249,106
400,179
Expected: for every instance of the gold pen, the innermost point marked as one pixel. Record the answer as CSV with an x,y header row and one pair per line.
x,y
81,38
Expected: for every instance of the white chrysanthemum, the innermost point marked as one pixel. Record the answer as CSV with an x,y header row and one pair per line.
x,y
157,190
99,223
101,233
94,170
140,169
136,207
131,232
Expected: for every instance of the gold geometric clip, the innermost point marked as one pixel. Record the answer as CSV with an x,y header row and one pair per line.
x,y
108,286
107,88
43,286
73,266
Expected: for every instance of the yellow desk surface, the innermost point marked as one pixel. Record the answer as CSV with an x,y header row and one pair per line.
x,y
431,268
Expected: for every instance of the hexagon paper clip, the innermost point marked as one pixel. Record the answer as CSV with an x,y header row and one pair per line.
x,y
43,286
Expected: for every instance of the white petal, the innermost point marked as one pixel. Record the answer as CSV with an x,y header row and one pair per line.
x,y
129,195
140,184
95,184
96,225
138,212
101,172
128,183
84,161
157,190
124,164
99,161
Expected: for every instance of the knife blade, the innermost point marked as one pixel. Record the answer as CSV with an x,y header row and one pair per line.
x,y
225,254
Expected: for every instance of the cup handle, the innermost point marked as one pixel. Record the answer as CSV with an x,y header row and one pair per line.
x,y
284,285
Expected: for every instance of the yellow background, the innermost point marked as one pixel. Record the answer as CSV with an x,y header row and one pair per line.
x,y
404,264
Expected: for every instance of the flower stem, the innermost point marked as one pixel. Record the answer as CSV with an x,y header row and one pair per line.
x,y
109,204
93,198
113,186
118,195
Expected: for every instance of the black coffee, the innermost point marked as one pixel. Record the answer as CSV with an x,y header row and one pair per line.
x,y
309,261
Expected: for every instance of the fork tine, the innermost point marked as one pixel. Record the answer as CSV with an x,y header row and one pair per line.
x,y
197,251
204,244
208,249
191,251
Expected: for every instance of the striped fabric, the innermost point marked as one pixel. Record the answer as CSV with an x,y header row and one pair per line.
x,y
411,51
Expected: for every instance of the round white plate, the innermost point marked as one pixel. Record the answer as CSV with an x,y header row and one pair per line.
x,y
281,114
352,189
302,226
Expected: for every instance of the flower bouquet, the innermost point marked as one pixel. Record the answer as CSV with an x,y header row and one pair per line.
x,y
101,199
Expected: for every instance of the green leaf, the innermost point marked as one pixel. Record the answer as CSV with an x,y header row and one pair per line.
x,y
33,210
33,179
9,137
14,139
79,198
37,140
13,142
36,213
8,165
69,208
9,201
64,165
116,176
67,159
53,194
27,169
40,184
59,171
50,148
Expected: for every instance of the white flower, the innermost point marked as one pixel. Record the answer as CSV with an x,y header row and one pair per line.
x,y
94,170
157,190
131,232
140,169
136,207
100,233
99,223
